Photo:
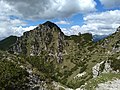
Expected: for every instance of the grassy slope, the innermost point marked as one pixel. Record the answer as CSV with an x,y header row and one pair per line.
x,y
7,42
11,75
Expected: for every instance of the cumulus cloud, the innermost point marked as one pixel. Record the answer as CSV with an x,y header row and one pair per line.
x,y
110,3
18,31
5,22
12,26
13,30
47,9
103,23
37,9
74,30
95,23
66,31
7,25
62,22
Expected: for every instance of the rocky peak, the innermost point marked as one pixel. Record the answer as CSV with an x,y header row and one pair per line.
x,y
50,24
45,28
48,40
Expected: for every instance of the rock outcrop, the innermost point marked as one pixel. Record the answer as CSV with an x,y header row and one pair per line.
x,y
102,67
72,61
110,85
46,39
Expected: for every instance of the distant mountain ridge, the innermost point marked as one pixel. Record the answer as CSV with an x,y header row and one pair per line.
x,y
97,38
7,42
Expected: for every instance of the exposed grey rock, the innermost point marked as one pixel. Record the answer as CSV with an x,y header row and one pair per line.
x,y
110,85
107,67
96,69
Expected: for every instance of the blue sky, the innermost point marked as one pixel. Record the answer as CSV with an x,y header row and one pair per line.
x,y
100,17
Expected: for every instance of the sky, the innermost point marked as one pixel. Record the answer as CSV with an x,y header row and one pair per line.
x,y
99,17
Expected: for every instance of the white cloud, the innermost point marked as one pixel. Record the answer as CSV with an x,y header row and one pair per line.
x,y
10,26
18,31
7,27
103,23
110,3
62,22
38,9
6,9
95,23
74,30
14,30
47,9
66,31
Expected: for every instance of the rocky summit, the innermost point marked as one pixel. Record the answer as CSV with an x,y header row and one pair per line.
x,y
47,39
46,59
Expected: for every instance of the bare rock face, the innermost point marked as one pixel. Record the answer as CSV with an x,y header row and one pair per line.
x,y
45,40
103,67
96,69
107,67
110,85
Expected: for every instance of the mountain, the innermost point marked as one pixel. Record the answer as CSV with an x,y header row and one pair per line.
x,y
47,39
96,38
7,42
12,76
53,61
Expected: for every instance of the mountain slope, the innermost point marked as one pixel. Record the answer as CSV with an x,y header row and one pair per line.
x,y
61,61
97,38
46,45
7,42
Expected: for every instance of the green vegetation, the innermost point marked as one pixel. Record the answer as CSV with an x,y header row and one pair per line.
x,y
54,56
12,76
7,42
92,83
46,69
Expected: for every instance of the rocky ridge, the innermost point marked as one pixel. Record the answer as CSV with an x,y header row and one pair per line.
x,y
55,61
